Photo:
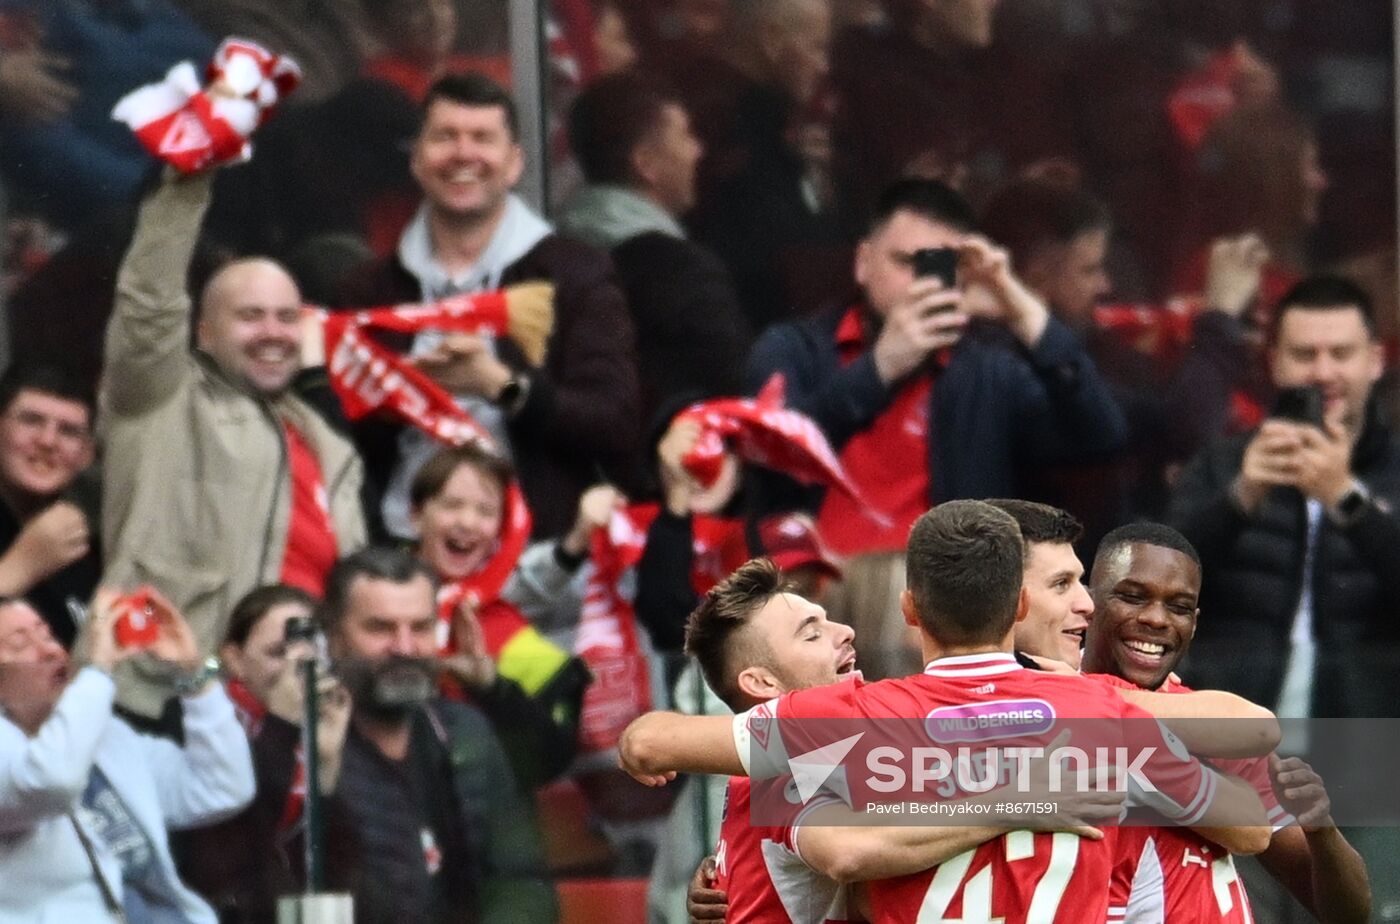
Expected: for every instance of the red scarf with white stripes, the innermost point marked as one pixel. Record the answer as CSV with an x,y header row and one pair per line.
x,y
194,127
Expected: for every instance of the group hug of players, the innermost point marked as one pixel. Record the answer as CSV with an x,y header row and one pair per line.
x,y
991,640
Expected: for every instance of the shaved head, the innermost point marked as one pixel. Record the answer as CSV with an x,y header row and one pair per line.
x,y
249,323
232,279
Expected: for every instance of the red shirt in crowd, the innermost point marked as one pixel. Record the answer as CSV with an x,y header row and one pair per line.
x,y
888,461
311,548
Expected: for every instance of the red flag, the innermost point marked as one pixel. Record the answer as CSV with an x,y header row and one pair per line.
x,y
764,432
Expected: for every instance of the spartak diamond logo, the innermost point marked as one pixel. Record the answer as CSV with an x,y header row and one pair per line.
x,y
186,133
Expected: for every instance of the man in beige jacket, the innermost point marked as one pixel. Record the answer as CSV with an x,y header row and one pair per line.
x,y
216,478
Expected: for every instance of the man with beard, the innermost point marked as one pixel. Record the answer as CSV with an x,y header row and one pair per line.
x,y
434,804
216,479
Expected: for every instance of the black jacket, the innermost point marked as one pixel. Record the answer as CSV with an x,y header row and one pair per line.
x,y
244,864
1253,582
692,336
996,407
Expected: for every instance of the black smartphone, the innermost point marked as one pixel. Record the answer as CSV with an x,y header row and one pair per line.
x,y
937,261
1304,404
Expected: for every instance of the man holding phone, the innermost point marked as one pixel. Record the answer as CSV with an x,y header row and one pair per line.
x,y
1297,530
943,381
1296,523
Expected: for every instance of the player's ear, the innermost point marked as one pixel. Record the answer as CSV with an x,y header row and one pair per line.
x,y
758,683
1023,604
908,609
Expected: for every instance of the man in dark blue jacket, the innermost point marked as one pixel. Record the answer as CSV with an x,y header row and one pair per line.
x,y
931,392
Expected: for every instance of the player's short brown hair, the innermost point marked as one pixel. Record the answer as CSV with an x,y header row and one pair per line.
x,y
717,636
964,568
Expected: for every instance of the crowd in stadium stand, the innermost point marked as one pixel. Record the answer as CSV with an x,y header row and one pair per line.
x,y
803,270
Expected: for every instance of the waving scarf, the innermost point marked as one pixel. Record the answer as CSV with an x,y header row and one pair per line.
x,y
763,431
193,127
368,377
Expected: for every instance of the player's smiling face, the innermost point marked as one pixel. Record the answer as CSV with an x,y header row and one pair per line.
x,y
1146,611
1060,605
804,648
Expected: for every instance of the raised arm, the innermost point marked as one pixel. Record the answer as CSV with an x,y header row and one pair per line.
x,y
211,777
147,350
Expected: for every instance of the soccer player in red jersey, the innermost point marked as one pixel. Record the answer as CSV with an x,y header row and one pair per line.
x,y
965,595
755,641
1145,582
795,647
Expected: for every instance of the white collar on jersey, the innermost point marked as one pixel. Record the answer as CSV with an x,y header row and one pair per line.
x,y
974,665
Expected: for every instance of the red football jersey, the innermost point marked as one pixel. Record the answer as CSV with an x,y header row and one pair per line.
x,y
759,869
1171,873
1021,876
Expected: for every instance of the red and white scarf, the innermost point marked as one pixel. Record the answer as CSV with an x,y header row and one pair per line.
x,y
193,127
608,639
369,377
607,632
763,431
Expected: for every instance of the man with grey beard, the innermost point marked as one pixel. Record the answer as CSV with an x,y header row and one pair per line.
x,y
444,833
